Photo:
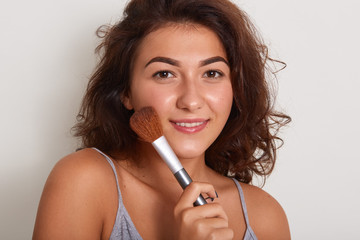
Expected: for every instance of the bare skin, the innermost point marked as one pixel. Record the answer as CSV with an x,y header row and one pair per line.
x,y
80,202
182,72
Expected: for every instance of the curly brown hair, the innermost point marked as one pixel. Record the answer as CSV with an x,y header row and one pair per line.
x,y
247,144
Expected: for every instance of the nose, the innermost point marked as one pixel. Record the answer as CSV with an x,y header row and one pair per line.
x,y
190,97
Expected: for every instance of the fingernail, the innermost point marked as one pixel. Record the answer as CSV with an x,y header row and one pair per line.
x,y
212,199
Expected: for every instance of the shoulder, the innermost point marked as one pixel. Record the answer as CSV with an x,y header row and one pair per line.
x,y
267,217
85,170
84,163
73,197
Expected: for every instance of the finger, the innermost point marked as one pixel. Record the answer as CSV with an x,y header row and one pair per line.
x,y
206,224
192,192
193,214
210,210
223,234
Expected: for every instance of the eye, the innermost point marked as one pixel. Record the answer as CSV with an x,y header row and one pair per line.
x,y
163,74
213,74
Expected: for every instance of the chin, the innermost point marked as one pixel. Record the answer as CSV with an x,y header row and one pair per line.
x,y
190,152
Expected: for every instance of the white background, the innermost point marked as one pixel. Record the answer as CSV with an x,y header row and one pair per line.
x,y
46,57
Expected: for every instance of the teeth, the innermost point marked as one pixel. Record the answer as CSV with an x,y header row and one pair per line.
x,y
195,124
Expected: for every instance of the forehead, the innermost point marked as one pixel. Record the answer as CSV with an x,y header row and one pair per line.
x,y
174,39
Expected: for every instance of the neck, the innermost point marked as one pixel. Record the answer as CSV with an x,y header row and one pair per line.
x,y
150,168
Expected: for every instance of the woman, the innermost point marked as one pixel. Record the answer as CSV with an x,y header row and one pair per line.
x,y
202,67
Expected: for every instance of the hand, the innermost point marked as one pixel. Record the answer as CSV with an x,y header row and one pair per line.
x,y
208,221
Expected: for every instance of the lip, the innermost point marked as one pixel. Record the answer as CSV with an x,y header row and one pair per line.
x,y
189,125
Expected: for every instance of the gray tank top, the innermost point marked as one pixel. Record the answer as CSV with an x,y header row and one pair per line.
x,y
125,229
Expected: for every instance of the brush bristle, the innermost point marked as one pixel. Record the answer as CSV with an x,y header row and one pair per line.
x,y
146,124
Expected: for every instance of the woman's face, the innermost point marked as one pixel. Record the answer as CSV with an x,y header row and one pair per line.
x,y
182,72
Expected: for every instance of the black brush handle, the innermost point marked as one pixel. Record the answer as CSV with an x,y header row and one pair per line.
x,y
184,180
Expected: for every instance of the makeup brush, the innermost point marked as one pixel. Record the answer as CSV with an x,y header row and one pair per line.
x,y
146,124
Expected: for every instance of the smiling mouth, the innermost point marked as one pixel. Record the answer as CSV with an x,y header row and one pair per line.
x,y
190,126
193,124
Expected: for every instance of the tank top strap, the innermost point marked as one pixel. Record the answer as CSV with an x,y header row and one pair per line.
x,y
114,170
249,234
124,228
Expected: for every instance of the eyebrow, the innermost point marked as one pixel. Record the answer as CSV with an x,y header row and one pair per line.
x,y
213,60
177,63
164,60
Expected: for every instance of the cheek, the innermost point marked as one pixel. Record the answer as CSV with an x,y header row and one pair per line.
x,y
221,99
149,95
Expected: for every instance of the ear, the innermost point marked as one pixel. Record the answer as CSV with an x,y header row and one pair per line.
x,y
126,100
